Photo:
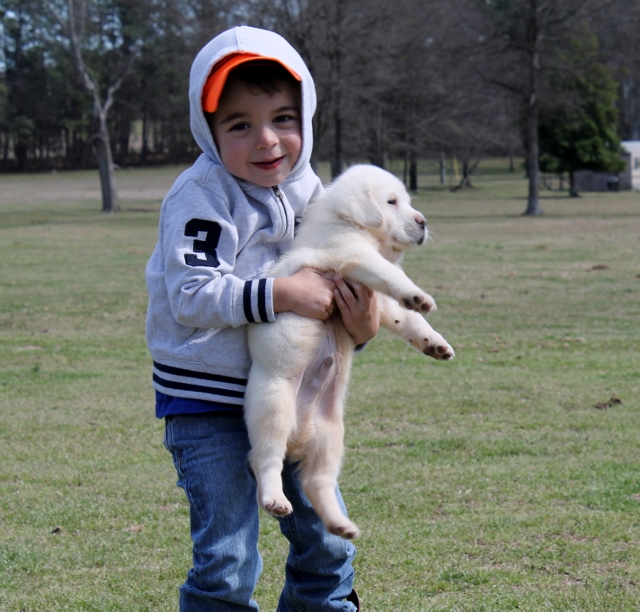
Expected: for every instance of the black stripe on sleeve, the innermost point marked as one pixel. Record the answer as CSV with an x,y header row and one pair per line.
x,y
262,300
246,302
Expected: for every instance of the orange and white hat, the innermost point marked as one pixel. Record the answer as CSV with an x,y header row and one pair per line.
x,y
214,85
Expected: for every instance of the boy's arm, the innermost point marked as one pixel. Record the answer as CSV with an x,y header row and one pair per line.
x,y
196,262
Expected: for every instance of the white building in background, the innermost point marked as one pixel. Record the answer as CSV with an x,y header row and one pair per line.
x,y
630,176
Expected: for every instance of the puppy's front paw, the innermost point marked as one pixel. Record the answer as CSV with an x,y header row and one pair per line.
x,y
422,302
279,506
438,348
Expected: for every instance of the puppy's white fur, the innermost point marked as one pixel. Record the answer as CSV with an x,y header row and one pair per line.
x,y
300,366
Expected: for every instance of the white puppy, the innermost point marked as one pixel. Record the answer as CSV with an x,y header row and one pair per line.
x,y
300,366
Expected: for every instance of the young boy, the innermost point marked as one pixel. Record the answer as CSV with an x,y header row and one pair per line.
x,y
222,226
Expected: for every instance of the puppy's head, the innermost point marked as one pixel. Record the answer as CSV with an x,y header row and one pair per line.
x,y
377,201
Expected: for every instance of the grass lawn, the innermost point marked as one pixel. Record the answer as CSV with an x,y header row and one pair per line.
x,y
507,479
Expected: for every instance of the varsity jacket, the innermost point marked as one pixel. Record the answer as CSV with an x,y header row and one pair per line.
x,y
218,237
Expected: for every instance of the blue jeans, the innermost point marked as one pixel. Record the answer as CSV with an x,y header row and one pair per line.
x,y
210,453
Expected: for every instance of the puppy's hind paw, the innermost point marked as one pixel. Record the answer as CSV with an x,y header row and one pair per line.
x,y
346,530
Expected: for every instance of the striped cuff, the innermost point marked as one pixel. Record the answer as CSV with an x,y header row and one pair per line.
x,y
257,301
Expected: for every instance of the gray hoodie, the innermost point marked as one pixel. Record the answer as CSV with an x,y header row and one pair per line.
x,y
218,237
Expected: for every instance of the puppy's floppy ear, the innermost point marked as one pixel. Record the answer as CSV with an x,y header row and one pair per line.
x,y
363,210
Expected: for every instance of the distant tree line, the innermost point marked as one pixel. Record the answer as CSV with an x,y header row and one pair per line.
x,y
95,82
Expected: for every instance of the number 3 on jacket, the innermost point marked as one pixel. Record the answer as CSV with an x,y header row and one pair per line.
x,y
204,250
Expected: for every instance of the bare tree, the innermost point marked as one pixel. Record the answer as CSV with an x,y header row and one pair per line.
x,y
101,102
617,23
521,40
104,31
393,80
402,80
436,105
347,45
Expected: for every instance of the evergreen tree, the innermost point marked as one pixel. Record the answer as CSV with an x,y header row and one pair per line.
x,y
578,132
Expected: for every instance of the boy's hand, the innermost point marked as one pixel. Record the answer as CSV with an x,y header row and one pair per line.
x,y
359,309
306,293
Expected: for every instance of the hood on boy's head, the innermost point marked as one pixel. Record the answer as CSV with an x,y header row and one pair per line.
x,y
263,43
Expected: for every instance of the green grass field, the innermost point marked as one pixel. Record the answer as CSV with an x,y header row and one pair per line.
x,y
508,479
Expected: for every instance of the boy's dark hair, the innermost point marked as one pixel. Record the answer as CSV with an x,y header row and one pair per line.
x,y
263,76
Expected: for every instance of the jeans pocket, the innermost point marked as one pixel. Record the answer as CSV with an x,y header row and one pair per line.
x,y
169,442
167,433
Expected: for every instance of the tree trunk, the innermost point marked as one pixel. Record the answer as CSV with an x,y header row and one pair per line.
x,y
124,137
378,156
5,151
467,171
144,151
533,200
573,189
533,153
336,159
443,169
413,173
105,167
405,167
21,151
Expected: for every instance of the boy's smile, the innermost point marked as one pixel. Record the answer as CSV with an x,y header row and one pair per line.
x,y
258,135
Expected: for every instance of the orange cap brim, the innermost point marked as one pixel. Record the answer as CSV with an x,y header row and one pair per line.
x,y
214,85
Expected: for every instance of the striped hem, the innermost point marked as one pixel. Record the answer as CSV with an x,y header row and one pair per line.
x,y
254,301
199,385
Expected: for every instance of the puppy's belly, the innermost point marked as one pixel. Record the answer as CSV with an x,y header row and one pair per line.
x,y
319,376
282,348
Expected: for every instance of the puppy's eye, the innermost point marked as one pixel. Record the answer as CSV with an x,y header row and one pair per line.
x,y
393,202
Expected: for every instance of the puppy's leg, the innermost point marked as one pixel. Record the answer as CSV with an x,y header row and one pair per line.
x,y
319,478
375,272
270,414
324,449
413,328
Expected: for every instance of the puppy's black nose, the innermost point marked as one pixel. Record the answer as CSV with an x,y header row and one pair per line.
x,y
420,221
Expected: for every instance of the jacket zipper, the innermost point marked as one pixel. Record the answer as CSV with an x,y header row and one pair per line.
x,y
280,197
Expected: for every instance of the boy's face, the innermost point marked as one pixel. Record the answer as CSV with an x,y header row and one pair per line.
x,y
258,135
